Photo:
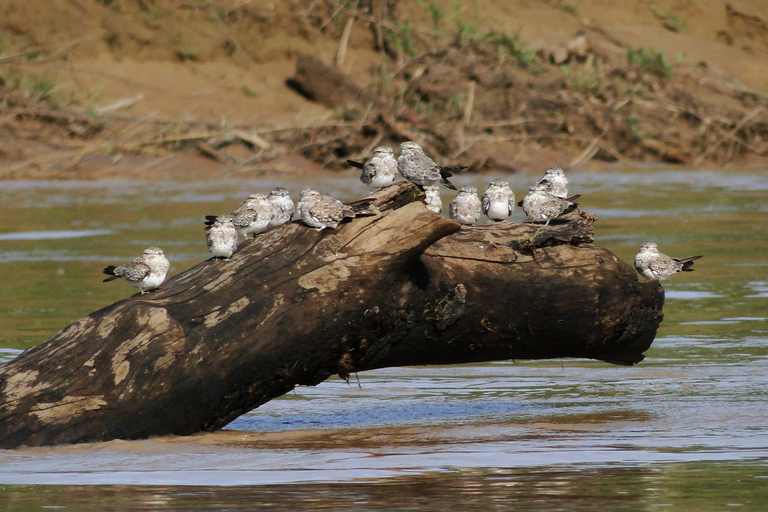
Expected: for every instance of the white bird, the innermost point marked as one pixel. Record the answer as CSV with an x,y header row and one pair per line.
x,y
282,207
432,199
465,207
380,171
146,272
498,200
539,204
652,265
554,182
322,211
418,168
222,237
253,215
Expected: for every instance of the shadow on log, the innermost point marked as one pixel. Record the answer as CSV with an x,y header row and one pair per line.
x,y
295,306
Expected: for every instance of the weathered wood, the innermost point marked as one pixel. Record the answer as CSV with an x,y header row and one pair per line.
x,y
295,306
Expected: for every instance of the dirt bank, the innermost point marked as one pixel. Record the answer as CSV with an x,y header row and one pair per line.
x,y
124,87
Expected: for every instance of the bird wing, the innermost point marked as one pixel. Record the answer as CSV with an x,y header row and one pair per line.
x,y
134,271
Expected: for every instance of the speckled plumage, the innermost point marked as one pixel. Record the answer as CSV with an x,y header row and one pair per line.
x,y
554,182
418,168
432,199
498,200
652,265
282,207
381,170
146,272
539,204
222,237
253,215
322,211
465,207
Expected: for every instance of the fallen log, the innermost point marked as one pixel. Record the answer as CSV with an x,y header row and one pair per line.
x,y
294,306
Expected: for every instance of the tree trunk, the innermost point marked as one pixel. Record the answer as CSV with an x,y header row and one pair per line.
x,y
295,306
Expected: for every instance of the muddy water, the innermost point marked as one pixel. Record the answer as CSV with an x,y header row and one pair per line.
x,y
687,428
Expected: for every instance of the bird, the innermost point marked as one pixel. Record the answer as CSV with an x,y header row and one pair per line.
x,y
380,171
539,204
653,265
253,215
555,182
432,198
498,200
146,272
465,207
222,237
282,207
322,211
418,168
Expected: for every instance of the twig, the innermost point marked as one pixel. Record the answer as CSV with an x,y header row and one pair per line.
x,y
731,82
588,152
761,152
374,143
470,102
112,107
714,147
337,11
252,138
207,150
344,41
43,49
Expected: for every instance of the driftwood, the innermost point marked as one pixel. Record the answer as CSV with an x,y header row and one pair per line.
x,y
295,306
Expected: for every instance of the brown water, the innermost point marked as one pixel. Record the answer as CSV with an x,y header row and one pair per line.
x,y
686,429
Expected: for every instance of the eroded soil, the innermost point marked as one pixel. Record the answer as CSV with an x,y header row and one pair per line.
x,y
114,88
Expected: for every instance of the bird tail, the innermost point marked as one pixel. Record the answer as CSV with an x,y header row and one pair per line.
x,y
448,183
110,271
357,165
209,220
447,171
687,263
571,206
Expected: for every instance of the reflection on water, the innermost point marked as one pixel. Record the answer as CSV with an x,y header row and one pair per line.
x,y
687,428
689,486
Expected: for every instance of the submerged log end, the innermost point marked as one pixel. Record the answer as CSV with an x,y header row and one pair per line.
x,y
525,291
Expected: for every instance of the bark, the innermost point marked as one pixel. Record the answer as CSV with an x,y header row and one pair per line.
x,y
295,306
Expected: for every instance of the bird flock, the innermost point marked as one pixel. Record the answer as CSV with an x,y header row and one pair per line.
x,y
545,201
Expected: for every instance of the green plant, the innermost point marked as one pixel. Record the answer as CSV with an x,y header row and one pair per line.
x,y
650,60
403,39
671,23
513,47
455,104
436,14
634,128
249,92
40,86
466,28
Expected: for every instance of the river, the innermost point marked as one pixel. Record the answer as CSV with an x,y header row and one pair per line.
x,y
686,429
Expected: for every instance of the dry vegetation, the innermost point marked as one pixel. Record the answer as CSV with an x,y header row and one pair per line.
x,y
433,72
